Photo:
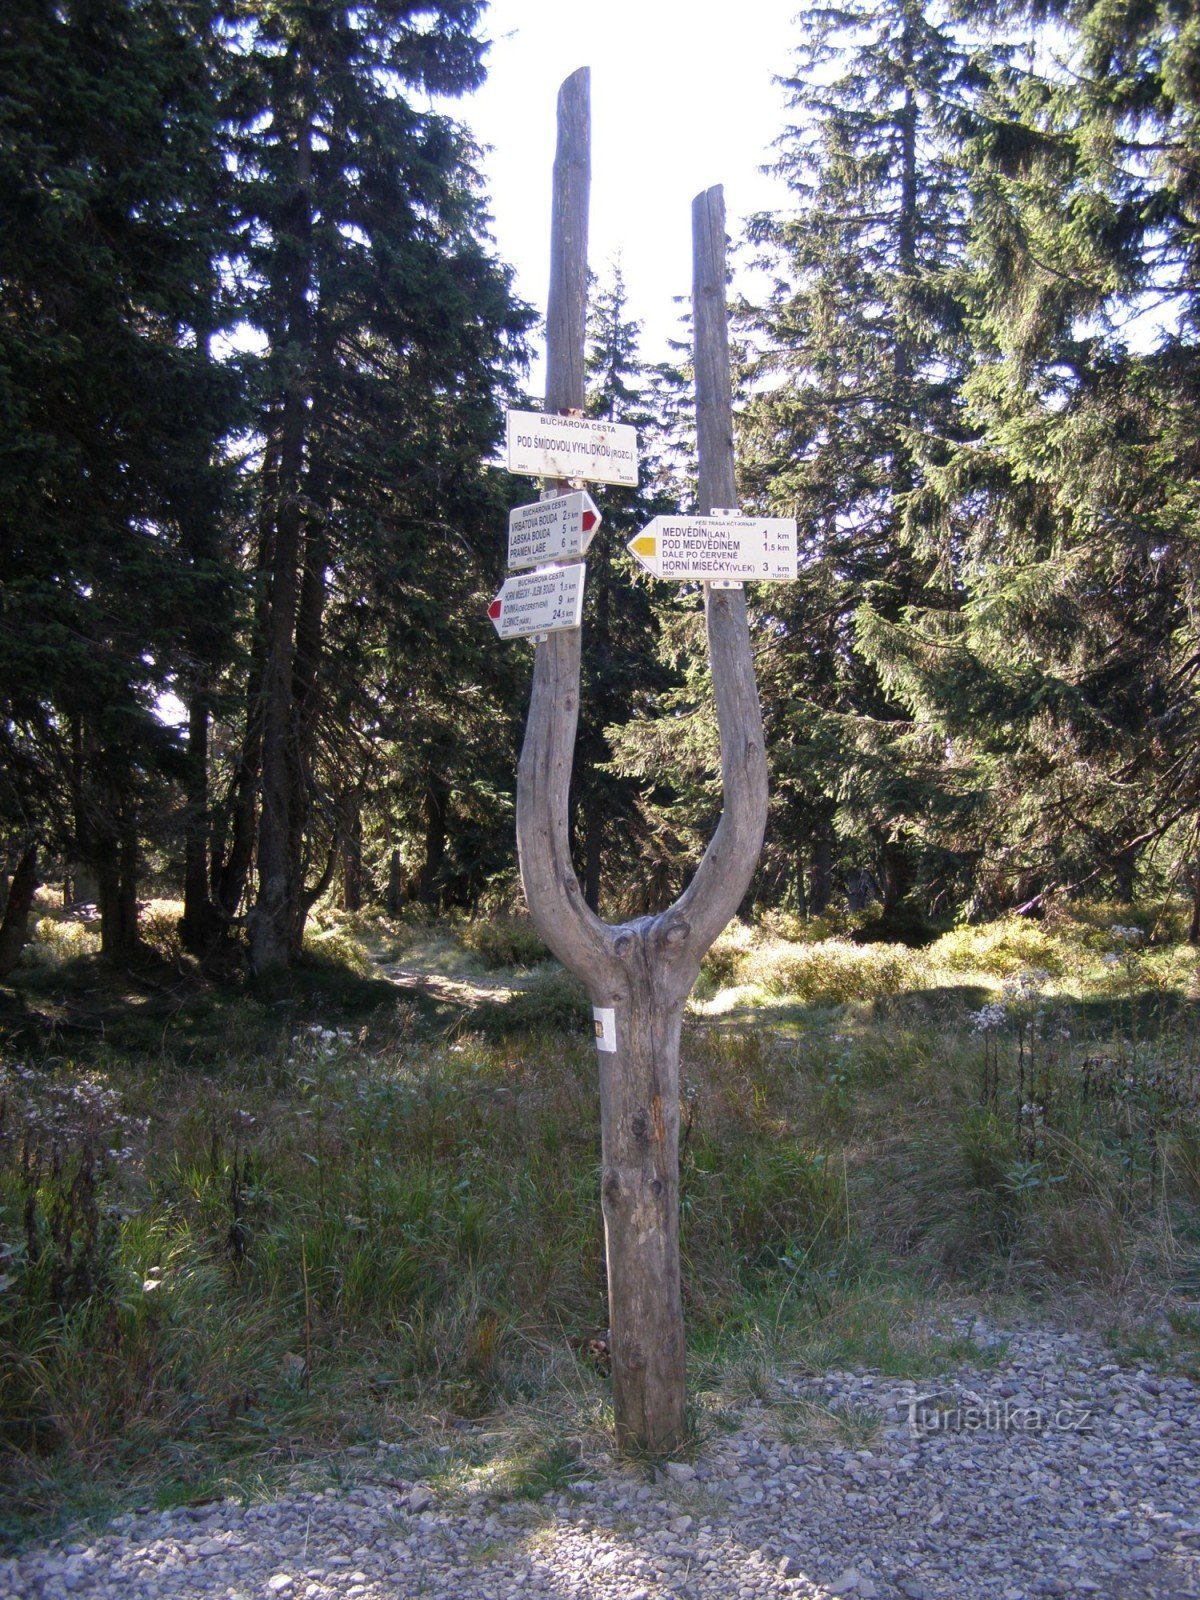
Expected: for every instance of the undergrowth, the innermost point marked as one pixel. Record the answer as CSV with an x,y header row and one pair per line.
x,y
241,1234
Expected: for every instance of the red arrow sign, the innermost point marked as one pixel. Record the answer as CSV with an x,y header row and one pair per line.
x,y
549,530
539,602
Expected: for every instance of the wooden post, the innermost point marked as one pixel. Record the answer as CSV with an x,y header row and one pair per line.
x,y
640,974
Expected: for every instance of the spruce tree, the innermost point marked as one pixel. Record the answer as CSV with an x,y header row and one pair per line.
x,y
853,396
1065,680
389,331
112,412
622,668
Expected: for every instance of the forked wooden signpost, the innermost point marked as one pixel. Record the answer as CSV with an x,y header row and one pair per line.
x,y
639,974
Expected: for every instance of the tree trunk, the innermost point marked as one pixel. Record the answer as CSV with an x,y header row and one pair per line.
x,y
352,864
430,887
639,1098
1125,874
306,664
14,929
639,975
201,923
897,877
860,889
395,885
820,876
116,876
274,935
237,820
270,921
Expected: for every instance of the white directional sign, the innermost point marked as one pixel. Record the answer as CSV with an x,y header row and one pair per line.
x,y
593,451
717,549
539,602
548,530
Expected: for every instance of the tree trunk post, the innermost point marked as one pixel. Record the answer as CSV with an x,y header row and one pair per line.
x,y
394,900
639,974
116,880
352,861
14,926
201,924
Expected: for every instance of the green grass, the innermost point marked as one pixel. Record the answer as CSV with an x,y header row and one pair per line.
x,y
1170,1344
336,1212
503,941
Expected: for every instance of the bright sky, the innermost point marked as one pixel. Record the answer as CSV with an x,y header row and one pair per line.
x,y
682,98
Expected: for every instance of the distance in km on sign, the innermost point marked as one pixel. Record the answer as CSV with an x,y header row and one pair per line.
x,y
539,602
548,530
715,549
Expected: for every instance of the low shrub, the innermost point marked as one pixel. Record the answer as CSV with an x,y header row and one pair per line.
x,y
57,939
337,947
1095,922
158,926
837,922
834,971
553,1002
504,941
722,965
1003,949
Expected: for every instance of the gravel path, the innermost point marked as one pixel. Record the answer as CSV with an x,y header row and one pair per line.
x,y
1051,1473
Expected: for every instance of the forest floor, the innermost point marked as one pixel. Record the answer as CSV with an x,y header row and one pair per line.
x,y
258,1247
1040,1467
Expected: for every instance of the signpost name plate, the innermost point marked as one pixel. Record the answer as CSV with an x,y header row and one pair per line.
x,y
585,449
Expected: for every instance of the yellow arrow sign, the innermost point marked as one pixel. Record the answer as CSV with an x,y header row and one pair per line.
x,y
718,549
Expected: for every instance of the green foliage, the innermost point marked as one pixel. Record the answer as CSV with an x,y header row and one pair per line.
x,y
972,379
1056,669
158,926
834,971
787,1206
1172,1346
336,946
626,671
552,1001
390,337
504,941
315,1228
861,349
1001,948
544,1471
57,939
112,413
726,958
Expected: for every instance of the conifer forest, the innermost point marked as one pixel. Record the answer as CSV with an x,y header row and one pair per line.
x,y
299,1138
257,350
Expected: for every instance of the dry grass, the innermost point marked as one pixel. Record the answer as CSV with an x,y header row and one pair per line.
x,y
330,1229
